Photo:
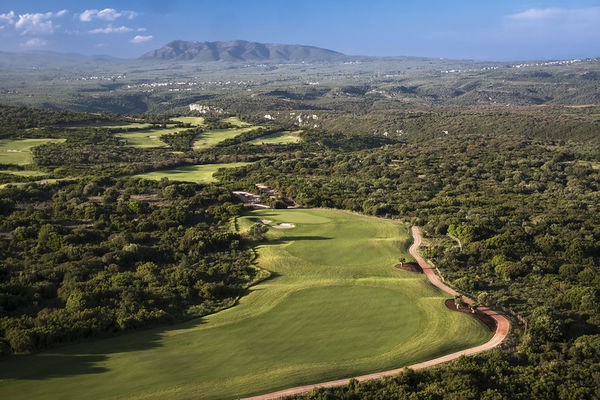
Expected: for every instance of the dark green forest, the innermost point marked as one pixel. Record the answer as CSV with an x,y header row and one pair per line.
x,y
101,256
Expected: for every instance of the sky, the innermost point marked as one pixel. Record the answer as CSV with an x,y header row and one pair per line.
x,y
480,30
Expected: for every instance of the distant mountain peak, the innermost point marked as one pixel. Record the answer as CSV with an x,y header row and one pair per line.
x,y
242,51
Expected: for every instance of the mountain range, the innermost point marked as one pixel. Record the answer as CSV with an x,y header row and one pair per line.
x,y
244,51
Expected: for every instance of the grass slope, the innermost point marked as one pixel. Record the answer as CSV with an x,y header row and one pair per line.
x,y
334,308
190,173
18,151
278,138
211,138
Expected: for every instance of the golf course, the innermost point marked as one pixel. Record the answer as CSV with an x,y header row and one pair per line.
x,y
334,307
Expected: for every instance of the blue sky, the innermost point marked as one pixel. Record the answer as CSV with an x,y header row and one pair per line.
x,y
482,30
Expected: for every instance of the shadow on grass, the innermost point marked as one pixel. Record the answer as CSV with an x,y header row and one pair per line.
x,y
287,239
85,357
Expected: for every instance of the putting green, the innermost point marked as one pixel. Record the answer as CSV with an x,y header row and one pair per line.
x,y
278,138
334,308
190,173
18,151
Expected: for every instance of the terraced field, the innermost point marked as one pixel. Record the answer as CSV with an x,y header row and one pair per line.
x,y
18,151
190,173
335,307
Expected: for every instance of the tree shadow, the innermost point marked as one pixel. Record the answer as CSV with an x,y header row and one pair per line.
x,y
286,239
85,357
43,366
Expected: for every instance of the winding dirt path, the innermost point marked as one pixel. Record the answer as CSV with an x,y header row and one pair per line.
x,y
502,328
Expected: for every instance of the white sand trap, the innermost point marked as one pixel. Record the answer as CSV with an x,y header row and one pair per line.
x,y
13,151
152,137
284,226
265,221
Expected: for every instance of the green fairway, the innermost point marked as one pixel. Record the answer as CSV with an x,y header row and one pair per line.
x,y
278,138
19,151
211,138
194,121
147,137
335,307
190,173
124,125
235,121
26,173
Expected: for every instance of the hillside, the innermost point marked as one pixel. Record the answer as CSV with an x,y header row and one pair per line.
x,y
241,50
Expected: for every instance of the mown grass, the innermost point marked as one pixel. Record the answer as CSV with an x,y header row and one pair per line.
x,y
190,173
18,151
194,121
334,308
125,125
278,138
25,173
211,138
235,121
147,137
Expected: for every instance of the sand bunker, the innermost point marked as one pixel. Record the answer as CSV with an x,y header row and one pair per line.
x,y
284,226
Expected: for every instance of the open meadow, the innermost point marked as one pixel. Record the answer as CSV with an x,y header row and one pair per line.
x,y
334,307
190,173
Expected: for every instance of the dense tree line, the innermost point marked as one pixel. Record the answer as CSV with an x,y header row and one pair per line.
x,y
15,118
101,256
181,141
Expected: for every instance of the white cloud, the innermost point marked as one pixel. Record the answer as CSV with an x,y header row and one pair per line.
x,y
141,38
108,14
38,23
572,15
142,29
111,29
34,42
539,13
7,18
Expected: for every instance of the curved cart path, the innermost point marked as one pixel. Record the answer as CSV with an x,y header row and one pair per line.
x,y
502,328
